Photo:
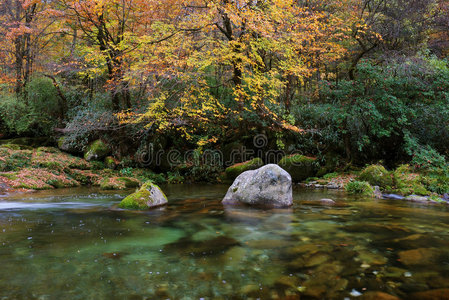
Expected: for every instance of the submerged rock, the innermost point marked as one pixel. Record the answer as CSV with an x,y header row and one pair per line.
x,y
269,186
420,256
148,196
441,294
327,201
187,246
377,295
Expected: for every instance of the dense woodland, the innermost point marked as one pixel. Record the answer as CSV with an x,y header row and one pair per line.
x,y
353,81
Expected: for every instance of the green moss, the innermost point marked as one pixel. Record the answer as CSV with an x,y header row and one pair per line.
x,y
300,167
408,183
436,183
110,162
48,150
57,183
10,176
330,175
52,165
16,160
377,175
78,163
235,170
11,146
28,186
129,182
119,183
139,200
360,188
97,150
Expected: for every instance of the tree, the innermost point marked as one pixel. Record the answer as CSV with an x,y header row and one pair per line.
x,y
28,27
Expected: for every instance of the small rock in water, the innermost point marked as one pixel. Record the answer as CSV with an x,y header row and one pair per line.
x,y
420,256
416,198
333,186
355,293
327,201
393,196
377,192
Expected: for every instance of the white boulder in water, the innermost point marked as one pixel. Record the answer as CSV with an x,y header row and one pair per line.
x,y
269,186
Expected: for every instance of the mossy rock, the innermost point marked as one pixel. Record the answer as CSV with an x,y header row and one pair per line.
x,y
407,183
331,162
235,170
299,167
57,183
79,163
110,162
148,196
16,147
97,150
359,188
48,150
119,183
377,175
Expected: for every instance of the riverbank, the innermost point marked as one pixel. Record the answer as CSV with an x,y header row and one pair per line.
x,y
26,169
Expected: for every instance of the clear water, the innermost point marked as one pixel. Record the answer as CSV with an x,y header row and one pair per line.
x,y
74,244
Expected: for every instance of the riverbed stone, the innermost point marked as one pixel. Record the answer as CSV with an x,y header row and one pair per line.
x,y
269,186
327,201
148,196
420,256
440,294
378,295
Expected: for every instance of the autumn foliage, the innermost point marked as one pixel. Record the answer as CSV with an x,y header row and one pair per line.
x,y
206,71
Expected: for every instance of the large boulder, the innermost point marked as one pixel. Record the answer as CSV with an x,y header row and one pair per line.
x,y
235,170
97,150
148,196
269,186
300,167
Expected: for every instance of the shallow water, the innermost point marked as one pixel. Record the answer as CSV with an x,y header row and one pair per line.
x,y
73,244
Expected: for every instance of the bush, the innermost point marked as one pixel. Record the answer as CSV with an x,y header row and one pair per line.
x,y
369,118
359,187
377,175
37,115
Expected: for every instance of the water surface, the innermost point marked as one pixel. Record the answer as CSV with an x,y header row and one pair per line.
x,y
74,244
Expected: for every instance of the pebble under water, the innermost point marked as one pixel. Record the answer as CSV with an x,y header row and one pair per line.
x,y
74,244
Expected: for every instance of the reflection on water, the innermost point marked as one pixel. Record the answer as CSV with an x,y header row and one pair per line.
x,y
75,244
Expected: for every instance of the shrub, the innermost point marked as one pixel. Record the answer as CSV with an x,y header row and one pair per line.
x,y
370,117
377,175
37,115
359,187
